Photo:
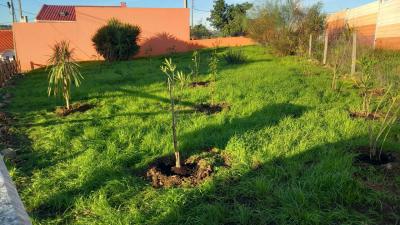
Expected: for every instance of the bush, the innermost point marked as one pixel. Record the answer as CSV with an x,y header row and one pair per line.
x,y
200,31
235,57
286,25
117,41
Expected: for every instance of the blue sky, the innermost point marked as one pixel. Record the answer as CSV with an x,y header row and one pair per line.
x,y
33,6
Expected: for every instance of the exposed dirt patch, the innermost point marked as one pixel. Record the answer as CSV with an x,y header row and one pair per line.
x,y
78,107
370,116
387,169
199,84
364,157
162,173
378,92
388,165
211,108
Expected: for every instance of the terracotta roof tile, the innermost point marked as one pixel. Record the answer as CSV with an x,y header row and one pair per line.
x,y
6,40
57,13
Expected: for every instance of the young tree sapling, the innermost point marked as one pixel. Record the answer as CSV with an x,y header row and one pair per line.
x,y
169,69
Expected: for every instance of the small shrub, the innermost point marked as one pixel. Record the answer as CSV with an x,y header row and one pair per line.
x,y
63,72
200,31
183,79
340,54
235,57
366,82
196,64
117,41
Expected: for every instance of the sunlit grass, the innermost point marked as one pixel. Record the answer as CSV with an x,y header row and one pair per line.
x,y
289,137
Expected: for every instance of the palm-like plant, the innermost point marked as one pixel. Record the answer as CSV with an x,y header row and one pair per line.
x,y
168,68
380,131
64,71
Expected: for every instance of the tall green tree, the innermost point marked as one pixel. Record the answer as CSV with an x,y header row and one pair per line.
x,y
230,20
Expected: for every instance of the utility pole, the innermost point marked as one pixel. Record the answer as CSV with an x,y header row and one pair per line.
x,y
20,11
192,13
10,5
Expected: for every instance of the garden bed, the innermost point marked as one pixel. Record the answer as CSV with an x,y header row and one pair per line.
x,y
195,169
199,84
286,138
370,116
211,108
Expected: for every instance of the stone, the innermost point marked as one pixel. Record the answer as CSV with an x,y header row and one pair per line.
x,y
9,153
12,210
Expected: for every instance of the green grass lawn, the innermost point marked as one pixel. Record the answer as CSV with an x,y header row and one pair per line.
x,y
289,137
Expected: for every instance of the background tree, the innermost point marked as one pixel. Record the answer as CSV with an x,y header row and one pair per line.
x,y
117,41
200,31
286,25
229,20
63,72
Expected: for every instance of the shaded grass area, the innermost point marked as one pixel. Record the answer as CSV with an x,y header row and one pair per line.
x,y
288,136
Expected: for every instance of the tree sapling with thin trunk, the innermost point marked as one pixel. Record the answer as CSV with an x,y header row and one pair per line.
x,y
213,69
169,69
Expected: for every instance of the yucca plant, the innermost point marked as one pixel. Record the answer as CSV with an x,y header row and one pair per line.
x,y
378,132
183,79
64,72
366,82
169,69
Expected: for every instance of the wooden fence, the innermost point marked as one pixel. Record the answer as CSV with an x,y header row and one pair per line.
x,y
8,70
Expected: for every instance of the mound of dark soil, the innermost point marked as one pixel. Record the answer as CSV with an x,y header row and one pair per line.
x,y
211,108
199,84
364,157
5,133
78,107
163,173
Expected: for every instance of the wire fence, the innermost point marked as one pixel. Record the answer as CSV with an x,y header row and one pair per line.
x,y
342,51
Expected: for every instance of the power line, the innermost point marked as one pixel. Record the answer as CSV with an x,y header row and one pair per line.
x,y
22,10
201,10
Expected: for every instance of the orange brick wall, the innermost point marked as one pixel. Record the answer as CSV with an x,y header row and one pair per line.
x,y
377,23
160,32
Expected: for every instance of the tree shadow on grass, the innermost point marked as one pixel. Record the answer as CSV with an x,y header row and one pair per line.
x,y
316,186
60,202
219,134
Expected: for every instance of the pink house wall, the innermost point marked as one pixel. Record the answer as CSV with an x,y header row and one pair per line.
x,y
163,30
